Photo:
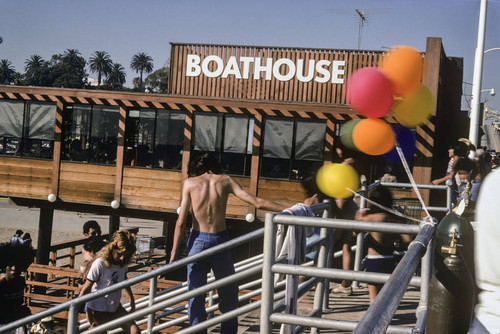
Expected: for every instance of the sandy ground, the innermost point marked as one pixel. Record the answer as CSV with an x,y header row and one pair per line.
x,y
66,225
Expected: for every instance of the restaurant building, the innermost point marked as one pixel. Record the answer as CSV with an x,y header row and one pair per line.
x,y
271,116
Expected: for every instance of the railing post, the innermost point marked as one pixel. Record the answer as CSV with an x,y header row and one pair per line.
x,y
425,274
323,283
267,275
72,252
153,283
360,236
449,190
73,319
210,315
329,256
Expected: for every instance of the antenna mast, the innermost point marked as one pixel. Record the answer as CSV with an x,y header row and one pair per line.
x,y
362,19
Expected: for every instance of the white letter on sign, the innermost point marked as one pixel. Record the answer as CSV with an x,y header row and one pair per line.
x,y
300,70
322,69
246,65
218,70
193,68
291,69
336,71
266,68
232,68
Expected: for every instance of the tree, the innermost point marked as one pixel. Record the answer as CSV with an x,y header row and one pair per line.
x,y
1,39
7,72
68,70
141,62
101,63
157,82
116,77
37,72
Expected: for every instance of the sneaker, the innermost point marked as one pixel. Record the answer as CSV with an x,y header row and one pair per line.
x,y
339,290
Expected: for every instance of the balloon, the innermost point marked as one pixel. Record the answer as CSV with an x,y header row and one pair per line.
x,y
403,66
414,109
370,92
373,136
406,140
335,179
346,133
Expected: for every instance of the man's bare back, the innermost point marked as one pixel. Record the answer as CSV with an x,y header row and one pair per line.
x,y
207,195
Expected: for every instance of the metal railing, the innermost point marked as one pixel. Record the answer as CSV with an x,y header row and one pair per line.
x,y
378,317
165,301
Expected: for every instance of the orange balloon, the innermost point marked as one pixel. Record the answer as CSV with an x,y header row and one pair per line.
x,y
403,66
373,136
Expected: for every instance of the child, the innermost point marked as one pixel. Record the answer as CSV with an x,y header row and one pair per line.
x,y
110,267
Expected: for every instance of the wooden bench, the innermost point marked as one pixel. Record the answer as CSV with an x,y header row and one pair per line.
x,y
61,286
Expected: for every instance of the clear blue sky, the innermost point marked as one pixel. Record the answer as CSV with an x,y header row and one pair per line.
x,y
124,28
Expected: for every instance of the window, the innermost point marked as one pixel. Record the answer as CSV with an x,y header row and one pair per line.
x,y
154,138
228,137
292,148
90,134
27,128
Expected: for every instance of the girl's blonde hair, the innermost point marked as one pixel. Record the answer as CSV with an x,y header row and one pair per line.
x,y
123,241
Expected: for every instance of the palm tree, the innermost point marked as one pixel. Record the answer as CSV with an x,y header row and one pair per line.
x,y
7,71
33,63
141,62
101,63
116,77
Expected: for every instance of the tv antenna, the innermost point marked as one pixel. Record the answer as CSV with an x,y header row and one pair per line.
x,y
361,22
362,16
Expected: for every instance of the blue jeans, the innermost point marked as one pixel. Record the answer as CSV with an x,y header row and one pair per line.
x,y
222,266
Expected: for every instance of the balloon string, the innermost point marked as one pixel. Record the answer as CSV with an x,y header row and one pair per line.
x,y
412,180
393,211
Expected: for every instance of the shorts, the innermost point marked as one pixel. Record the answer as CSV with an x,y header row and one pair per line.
x,y
97,318
385,264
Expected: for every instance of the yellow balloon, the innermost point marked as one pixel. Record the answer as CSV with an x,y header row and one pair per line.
x,y
415,108
335,180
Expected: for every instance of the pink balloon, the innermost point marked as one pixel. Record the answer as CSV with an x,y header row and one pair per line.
x,y
370,92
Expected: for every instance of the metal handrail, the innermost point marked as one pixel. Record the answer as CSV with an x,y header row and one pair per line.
x,y
379,315
159,303
73,305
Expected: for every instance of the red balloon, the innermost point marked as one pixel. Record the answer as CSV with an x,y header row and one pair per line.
x,y
370,92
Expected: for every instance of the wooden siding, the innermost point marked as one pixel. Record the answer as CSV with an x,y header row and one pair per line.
x,y
235,206
261,89
25,177
80,182
151,189
286,192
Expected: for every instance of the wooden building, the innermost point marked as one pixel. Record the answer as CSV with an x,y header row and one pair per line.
x,y
269,114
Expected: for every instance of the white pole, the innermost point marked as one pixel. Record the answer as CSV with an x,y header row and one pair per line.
x,y
478,70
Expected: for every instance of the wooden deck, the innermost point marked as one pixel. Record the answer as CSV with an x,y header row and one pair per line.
x,y
350,308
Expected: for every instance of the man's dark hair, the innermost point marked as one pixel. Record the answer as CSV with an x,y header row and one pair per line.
x,y
91,224
460,148
19,232
382,196
204,163
20,255
464,164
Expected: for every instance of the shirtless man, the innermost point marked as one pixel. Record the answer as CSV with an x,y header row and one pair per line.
x,y
206,193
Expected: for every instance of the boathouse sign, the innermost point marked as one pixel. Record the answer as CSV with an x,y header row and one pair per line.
x,y
321,71
264,72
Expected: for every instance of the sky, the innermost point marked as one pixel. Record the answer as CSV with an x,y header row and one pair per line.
x,y
124,28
